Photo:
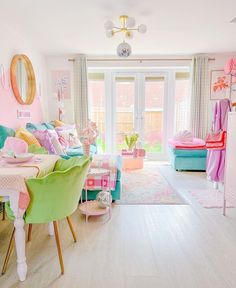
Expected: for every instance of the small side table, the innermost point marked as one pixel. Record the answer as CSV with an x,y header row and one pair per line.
x,y
91,208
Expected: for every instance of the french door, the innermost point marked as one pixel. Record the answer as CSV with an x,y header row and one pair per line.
x,y
153,102
140,104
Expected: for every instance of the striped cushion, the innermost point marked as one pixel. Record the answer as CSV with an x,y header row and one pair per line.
x,y
29,138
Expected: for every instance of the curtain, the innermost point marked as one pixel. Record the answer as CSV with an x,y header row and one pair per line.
x,y
200,96
80,92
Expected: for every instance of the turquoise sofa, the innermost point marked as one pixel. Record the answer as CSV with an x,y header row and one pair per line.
x,y
73,152
188,160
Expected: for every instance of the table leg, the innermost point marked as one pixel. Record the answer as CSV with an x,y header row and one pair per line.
x,y
50,229
20,248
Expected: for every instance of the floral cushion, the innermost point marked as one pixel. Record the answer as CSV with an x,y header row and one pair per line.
x,y
69,134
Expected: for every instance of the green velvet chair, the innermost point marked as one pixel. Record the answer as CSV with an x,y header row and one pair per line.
x,y
3,210
52,198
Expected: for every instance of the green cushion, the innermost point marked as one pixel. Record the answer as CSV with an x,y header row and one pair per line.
x,y
49,126
33,127
63,164
34,149
79,151
4,133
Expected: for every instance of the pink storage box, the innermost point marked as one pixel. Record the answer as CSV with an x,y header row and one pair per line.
x,y
139,152
131,163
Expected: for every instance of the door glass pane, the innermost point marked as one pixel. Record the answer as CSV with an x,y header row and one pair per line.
x,y
125,93
182,101
153,114
96,93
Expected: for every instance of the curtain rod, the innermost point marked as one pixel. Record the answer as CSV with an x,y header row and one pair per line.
x,y
139,59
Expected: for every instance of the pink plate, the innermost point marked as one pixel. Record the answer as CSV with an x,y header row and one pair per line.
x,y
20,158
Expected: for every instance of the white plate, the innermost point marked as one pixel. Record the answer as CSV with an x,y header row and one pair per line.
x,y
19,158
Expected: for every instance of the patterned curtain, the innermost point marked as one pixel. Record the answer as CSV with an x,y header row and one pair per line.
x,y
81,92
200,96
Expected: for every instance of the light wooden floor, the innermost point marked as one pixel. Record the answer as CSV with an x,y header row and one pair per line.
x,y
183,246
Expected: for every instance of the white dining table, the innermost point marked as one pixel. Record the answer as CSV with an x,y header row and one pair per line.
x,y
13,189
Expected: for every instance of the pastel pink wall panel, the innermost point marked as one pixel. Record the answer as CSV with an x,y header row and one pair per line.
x,y
9,107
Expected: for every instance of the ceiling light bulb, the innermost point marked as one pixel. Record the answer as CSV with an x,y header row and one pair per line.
x,y
109,33
129,35
130,23
142,28
109,25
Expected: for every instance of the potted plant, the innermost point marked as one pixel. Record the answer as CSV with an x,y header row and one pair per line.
x,y
131,140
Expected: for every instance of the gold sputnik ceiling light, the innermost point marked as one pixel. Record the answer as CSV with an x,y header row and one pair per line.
x,y
127,28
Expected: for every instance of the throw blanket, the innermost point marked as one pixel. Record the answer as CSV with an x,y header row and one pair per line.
x,y
44,164
196,144
108,162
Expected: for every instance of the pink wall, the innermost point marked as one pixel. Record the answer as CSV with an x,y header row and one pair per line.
x,y
9,107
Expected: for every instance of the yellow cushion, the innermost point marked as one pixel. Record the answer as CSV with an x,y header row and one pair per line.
x,y
58,123
27,137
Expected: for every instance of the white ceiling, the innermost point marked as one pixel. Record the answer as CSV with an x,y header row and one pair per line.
x,y
77,26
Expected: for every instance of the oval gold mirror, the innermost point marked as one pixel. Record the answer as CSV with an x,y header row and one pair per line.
x,y
23,79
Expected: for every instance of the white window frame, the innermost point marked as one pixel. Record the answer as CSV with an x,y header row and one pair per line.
x,y
139,74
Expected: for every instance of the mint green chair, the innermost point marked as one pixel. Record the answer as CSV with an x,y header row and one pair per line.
x,y
54,197
3,210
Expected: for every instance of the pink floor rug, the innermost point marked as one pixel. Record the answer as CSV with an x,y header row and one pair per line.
x,y
148,186
210,198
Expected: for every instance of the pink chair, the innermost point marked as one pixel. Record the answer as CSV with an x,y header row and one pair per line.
x,y
15,145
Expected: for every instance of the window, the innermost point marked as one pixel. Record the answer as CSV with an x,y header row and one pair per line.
x,y
125,93
182,101
153,113
96,94
154,103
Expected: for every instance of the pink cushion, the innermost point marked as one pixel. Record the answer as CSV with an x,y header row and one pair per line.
x,y
15,145
44,139
197,143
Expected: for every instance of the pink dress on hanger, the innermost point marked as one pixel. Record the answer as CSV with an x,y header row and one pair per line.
x,y
216,158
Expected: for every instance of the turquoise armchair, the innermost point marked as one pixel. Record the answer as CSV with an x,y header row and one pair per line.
x,y
53,198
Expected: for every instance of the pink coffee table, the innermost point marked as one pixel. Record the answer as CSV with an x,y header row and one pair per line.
x,y
91,208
